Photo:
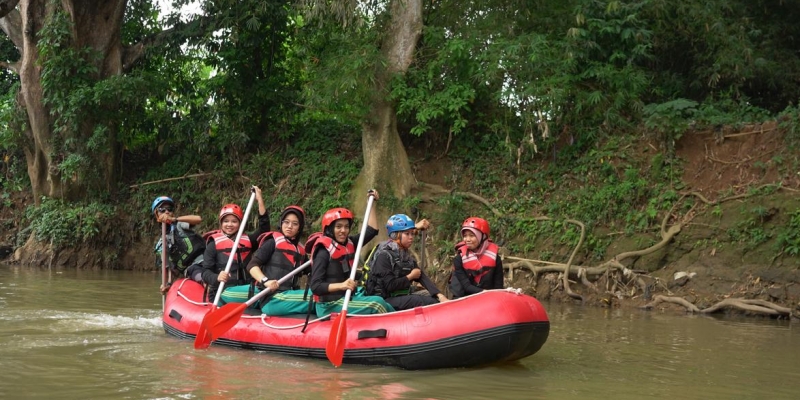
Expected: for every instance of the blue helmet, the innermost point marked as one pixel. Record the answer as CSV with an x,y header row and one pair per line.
x,y
399,223
157,202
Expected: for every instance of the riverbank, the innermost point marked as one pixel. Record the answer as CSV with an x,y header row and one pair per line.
x,y
719,220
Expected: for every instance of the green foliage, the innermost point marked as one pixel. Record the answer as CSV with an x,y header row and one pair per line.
x,y
299,176
63,224
13,122
454,214
86,109
790,122
338,54
751,230
668,121
726,111
789,238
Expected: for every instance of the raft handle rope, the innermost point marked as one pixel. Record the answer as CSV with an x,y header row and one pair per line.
x,y
183,296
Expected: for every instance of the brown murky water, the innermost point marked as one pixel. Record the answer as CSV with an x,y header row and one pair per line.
x,y
97,335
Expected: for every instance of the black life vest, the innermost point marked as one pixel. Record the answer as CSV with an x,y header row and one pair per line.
x,y
339,264
224,245
286,257
478,266
373,286
186,247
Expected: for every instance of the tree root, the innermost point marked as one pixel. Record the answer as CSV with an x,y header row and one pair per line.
x,y
756,306
737,196
621,281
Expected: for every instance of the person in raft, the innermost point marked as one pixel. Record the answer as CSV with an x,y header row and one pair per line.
x,y
476,266
184,246
332,257
392,268
219,244
278,254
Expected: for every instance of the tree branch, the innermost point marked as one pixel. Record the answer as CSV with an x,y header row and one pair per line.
x,y
177,34
169,180
6,6
10,66
11,23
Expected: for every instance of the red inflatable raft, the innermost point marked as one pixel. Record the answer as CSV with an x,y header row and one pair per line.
x,y
492,326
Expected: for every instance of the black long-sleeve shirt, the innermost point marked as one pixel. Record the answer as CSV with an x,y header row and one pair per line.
x,y
321,257
211,266
381,269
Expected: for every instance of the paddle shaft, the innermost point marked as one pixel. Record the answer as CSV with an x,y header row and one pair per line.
x,y
235,246
280,281
422,250
358,251
163,260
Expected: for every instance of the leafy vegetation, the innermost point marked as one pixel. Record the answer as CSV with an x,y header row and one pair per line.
x,y
67,224
789,239
539,104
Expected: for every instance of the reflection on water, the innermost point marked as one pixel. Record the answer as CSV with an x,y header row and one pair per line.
x,y
98,335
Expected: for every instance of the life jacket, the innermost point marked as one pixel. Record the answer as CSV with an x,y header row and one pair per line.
x,y
477,266
224,246
185,247
284,260
374,287
339,264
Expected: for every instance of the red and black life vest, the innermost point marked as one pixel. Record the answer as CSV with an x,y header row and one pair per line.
x,y
339,264
224,245
478,265
286,257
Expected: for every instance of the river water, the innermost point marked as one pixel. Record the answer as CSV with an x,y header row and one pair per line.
x,y
97,335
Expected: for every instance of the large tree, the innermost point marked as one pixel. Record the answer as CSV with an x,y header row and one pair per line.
x,y
385,158
360,48
84,90
84,35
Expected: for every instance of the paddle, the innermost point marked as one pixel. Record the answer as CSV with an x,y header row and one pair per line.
x,y
163,262
203,334
220,320
338,336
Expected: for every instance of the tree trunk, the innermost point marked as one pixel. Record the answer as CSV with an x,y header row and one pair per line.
x,y
386,165
96,25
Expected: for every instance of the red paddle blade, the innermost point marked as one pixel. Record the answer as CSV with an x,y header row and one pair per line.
x,y
203,338
336,341
217,322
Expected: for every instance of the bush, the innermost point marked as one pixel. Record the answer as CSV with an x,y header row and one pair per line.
x,y
64,224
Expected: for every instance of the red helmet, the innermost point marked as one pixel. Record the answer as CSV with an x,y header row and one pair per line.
x,y
231,209
335,213
477,223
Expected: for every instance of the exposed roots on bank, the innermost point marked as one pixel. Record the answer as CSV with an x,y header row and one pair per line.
x,y
620,282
